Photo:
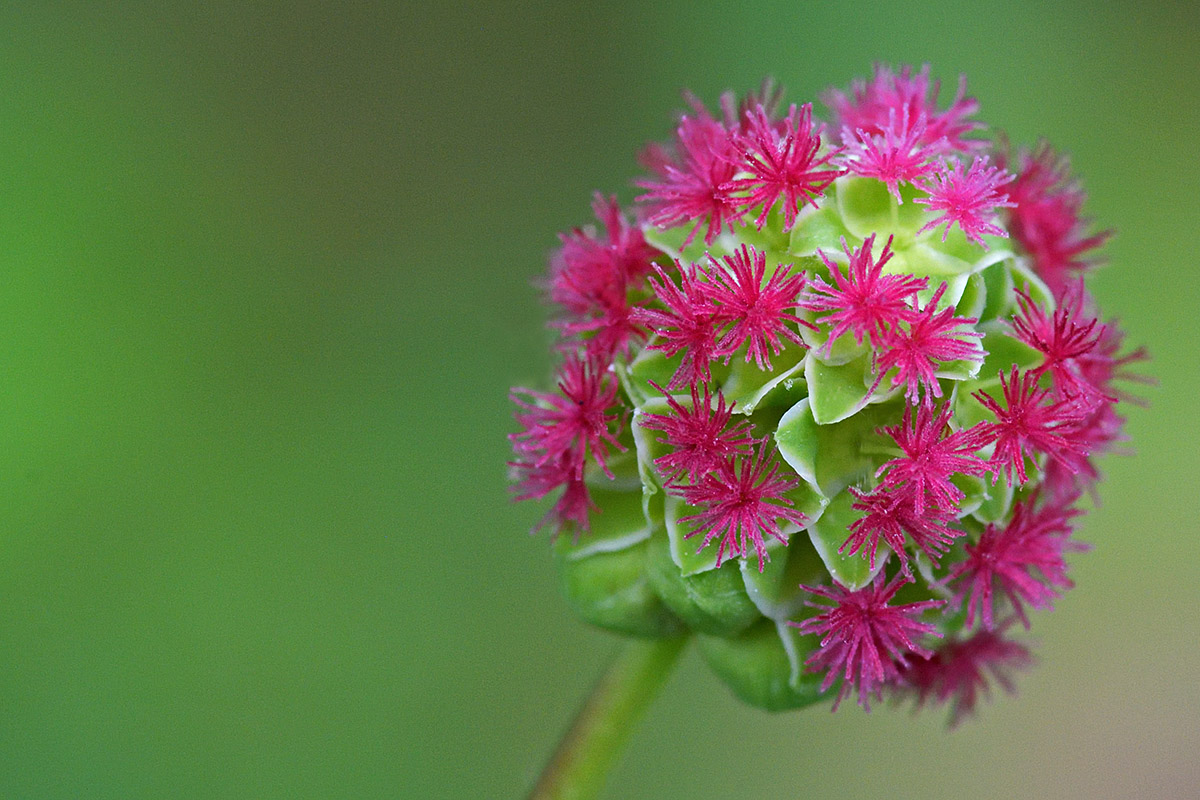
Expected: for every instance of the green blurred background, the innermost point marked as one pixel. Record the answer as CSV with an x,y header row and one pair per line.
x,y
266,280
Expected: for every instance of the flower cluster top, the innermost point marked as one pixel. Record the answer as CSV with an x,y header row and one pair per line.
x,y
834,396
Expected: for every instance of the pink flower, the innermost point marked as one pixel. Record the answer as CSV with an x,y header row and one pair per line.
x,y
968,200
571,423
890,92
696,188
897,153
533,481
931,459
1063,338
890,516
1023,559
1028,423
929,339
958,671
862,300
590,277
1045,217
741,504
687,325
701,438
782,161
758,312
865,641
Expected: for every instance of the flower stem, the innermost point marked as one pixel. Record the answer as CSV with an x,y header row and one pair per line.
x,y
580,764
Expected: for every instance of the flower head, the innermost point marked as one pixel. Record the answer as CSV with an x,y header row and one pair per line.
x,y
889,92
685,325
889,515
574,422
932,456
695,188
800,385
1023,559
1045,216
1029,423
898,152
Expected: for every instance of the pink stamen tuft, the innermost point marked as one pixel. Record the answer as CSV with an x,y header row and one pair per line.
x,y
741,504
701,438
758,312
695,188
865,641
782,161
929,338
968,199
1024,559
862,300
961,670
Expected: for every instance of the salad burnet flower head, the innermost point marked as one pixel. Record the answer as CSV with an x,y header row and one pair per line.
x,y
828,396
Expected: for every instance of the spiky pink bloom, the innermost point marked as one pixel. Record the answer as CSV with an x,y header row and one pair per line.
x,y
1031,422
929,338
570,423
968,199
741,504
891,92
897,153
862,300
923,474
1063,338
890,516
686,325
1045,217
1023,559
701,438
782,160
590,277
961,670
864,640
533,481
696,188
758,312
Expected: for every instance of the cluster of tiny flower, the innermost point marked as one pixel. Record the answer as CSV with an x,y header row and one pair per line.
x,y
966,376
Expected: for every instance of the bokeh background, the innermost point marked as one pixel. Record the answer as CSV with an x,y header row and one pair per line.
x,y
266,278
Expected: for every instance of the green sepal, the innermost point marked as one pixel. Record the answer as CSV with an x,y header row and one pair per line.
x,y
831,531
1000,298
688,554
818,229
868,207
997,503
712,602
1025,279
647,443
670,241
831,457
837,392
651,365
764,666
618,521
611,590
747,385
776,589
